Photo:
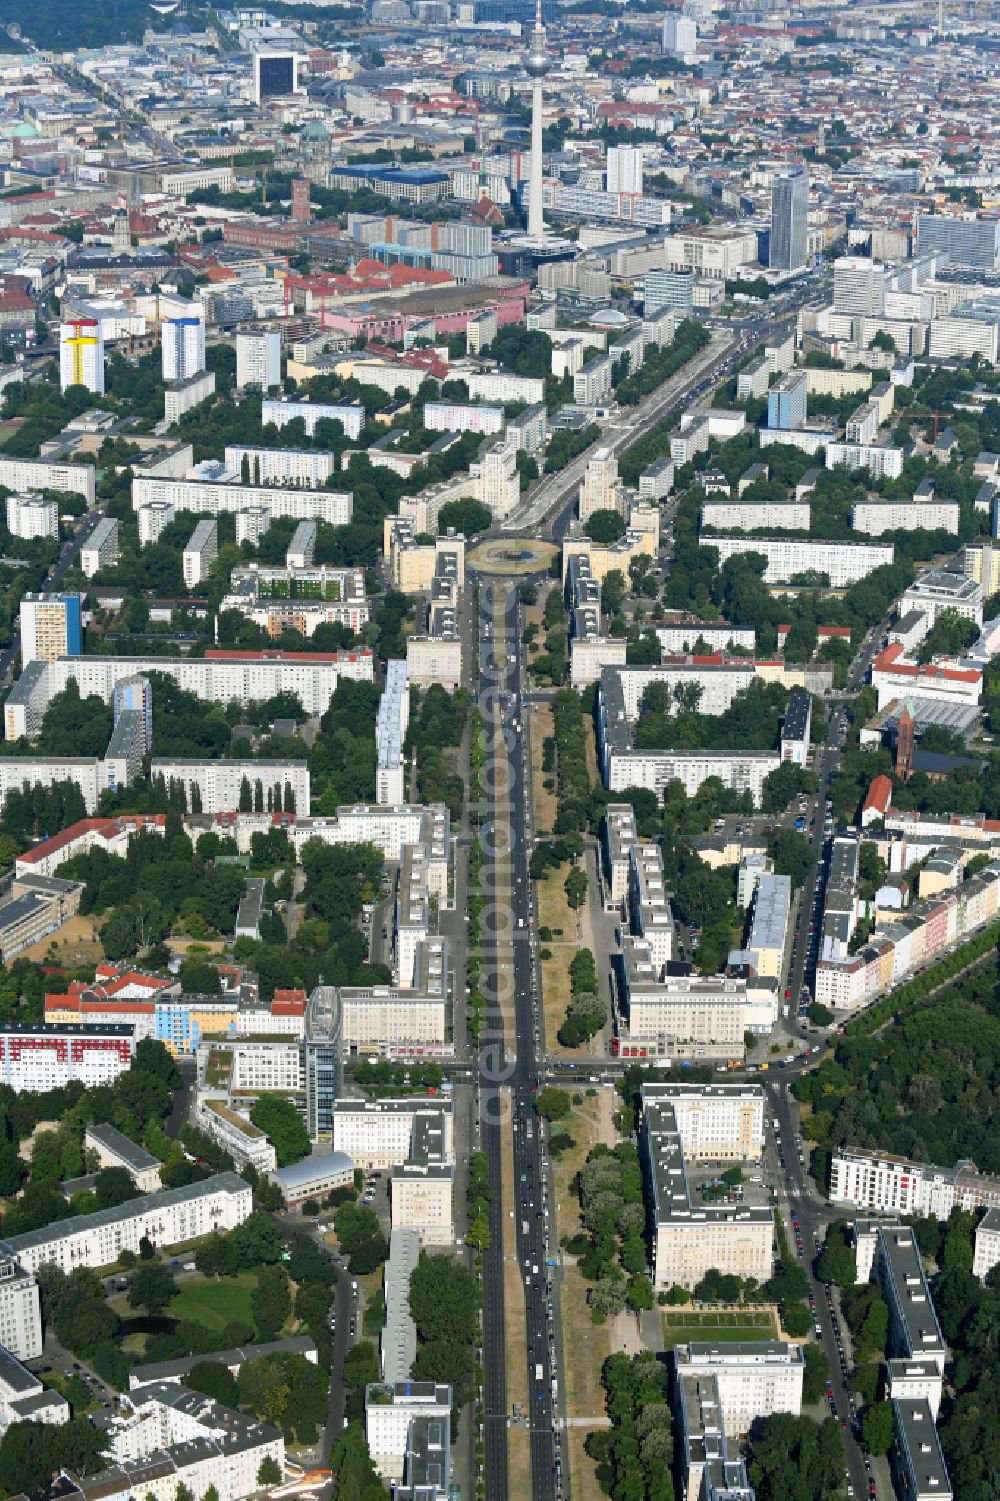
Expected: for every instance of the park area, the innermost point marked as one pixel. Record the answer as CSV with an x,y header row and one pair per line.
x,y
214,1302
719,1326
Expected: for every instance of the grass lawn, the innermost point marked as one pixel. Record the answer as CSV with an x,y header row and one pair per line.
x,y
543,799
518,1439
214,1302
683,1325
585,1346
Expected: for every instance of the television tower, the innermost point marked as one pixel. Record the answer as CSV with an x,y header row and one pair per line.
x,y
536,65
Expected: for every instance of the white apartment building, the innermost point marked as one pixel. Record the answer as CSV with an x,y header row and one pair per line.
x,y
114,1149
182,345
480,331
377,1134
504,385
280,466
219,786
754,1379
101,548
81,355
391,828
218,677
843,562
881,462
200,553
720,682
624,169
717,1121
17,773
275,598
872,518
249,677
20,1311
859,286
302,547
750,516
741,771
258,360
681,639
459,417
32,516
391,1414
650,916
987,1252
36,1059
390,1019
421,1186
679,37
258,1067
168,1436
964,337
252,523
38,474
663,1012
282,410
939,590
862,425
182,395
893,675
753,379
176,1214
601,489
434,659
694,439
714,252
690,1238
411,918
216,499
303,615
885,1184
23,1398
889,1255
153,519
590,653
390,732
387,375
592,382
237,1135
657,480
50,626
618,834
499,482
529,429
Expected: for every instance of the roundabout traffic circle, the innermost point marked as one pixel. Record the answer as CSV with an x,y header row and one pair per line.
x,y
512,556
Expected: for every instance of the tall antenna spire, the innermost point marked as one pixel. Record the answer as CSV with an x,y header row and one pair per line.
x,y
536,65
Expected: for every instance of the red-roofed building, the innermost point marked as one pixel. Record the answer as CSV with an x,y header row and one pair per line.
x,y
877,798
894,675
342,659
110,834
17,305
